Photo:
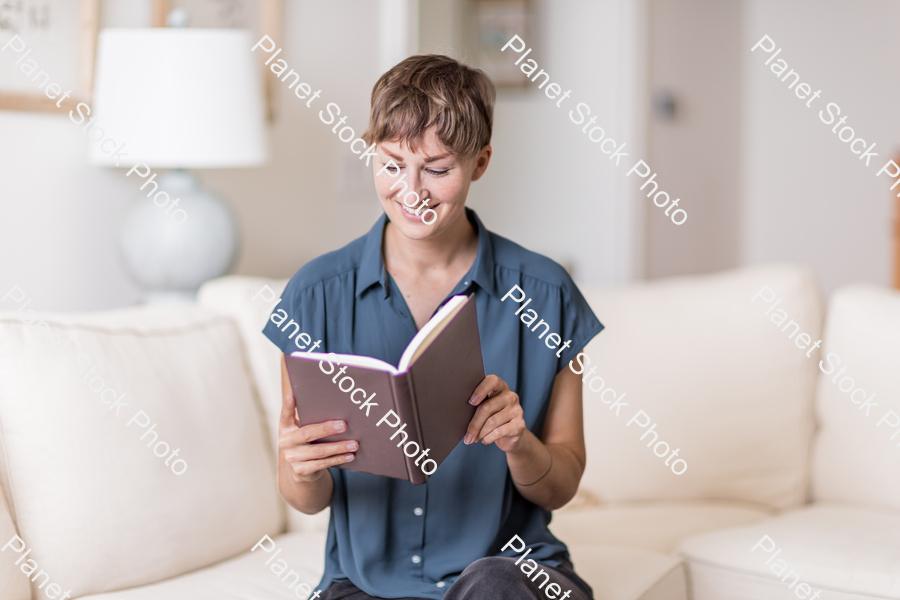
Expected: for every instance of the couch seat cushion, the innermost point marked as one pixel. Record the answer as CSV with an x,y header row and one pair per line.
x,y
13,582
846,552
245,577
654,526
627,574
614,573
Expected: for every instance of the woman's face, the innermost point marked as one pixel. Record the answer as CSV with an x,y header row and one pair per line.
x,y
432,178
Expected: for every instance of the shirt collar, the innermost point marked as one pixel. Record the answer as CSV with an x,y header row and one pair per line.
x,y
482,271
371,267
372,270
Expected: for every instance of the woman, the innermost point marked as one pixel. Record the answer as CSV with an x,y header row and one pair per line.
x,y
523,454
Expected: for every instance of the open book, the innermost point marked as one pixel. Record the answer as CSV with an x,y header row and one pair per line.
x,y
422,402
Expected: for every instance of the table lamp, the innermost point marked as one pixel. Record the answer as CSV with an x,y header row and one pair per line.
x,y
179,99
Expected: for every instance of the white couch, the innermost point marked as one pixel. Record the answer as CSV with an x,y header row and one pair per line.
x,y
104,517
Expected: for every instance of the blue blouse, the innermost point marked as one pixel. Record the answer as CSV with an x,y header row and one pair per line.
x,y
391,538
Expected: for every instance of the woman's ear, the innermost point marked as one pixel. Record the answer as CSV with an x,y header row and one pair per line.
x,y
481,162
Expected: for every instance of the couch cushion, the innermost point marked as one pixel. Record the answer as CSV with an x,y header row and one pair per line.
x,y
246,577
244,300
99,508
651,526
721,382
855,461
615,573
627,574
13,582
233,296
848,553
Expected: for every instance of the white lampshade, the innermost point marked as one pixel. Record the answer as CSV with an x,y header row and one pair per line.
x,y
180,98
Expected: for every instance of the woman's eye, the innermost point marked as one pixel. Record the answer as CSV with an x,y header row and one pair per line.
x,y
438,173
391,168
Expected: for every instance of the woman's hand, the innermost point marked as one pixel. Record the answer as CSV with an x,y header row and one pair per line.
x,y
307,461
499,418
545,470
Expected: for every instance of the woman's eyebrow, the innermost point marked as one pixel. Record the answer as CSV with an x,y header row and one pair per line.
x,y
428,159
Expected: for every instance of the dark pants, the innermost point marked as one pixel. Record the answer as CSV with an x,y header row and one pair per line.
x,y
491,578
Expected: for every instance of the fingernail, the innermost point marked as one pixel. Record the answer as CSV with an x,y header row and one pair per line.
x,y
473,400
351,445
468,439
338,425
349,457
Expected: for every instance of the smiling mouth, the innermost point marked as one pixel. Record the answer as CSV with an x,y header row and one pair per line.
x,y
412,210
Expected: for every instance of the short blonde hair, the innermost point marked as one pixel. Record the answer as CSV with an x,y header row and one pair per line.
x,y
433,90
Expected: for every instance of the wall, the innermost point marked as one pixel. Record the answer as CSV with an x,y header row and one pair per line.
x,y
315,195
767,180
806,198
695,52
60,221
548,187
60,216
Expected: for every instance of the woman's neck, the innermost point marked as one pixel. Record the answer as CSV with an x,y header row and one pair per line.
x,y
458,243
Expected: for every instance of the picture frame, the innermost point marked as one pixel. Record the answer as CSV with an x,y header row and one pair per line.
x,y
261,16
62,38
491,24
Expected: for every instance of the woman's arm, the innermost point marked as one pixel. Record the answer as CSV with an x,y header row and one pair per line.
x,y
303,476
547,470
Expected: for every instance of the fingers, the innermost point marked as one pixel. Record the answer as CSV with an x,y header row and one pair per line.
x,y
485,416
311,467
311,433
509,430
509,414
299,438
311,452
288,412
490,386
484,412
307,459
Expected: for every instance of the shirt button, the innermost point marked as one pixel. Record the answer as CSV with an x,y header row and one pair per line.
x,y
418,512
465,283
416,559
440,584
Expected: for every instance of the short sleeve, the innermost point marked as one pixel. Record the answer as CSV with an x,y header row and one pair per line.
x,y
295,324
579,323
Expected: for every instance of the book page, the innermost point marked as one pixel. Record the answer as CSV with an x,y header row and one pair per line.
x,y
419,343
366,362
430,330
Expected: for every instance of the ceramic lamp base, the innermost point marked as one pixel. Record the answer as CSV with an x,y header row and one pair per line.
x,y
169,255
